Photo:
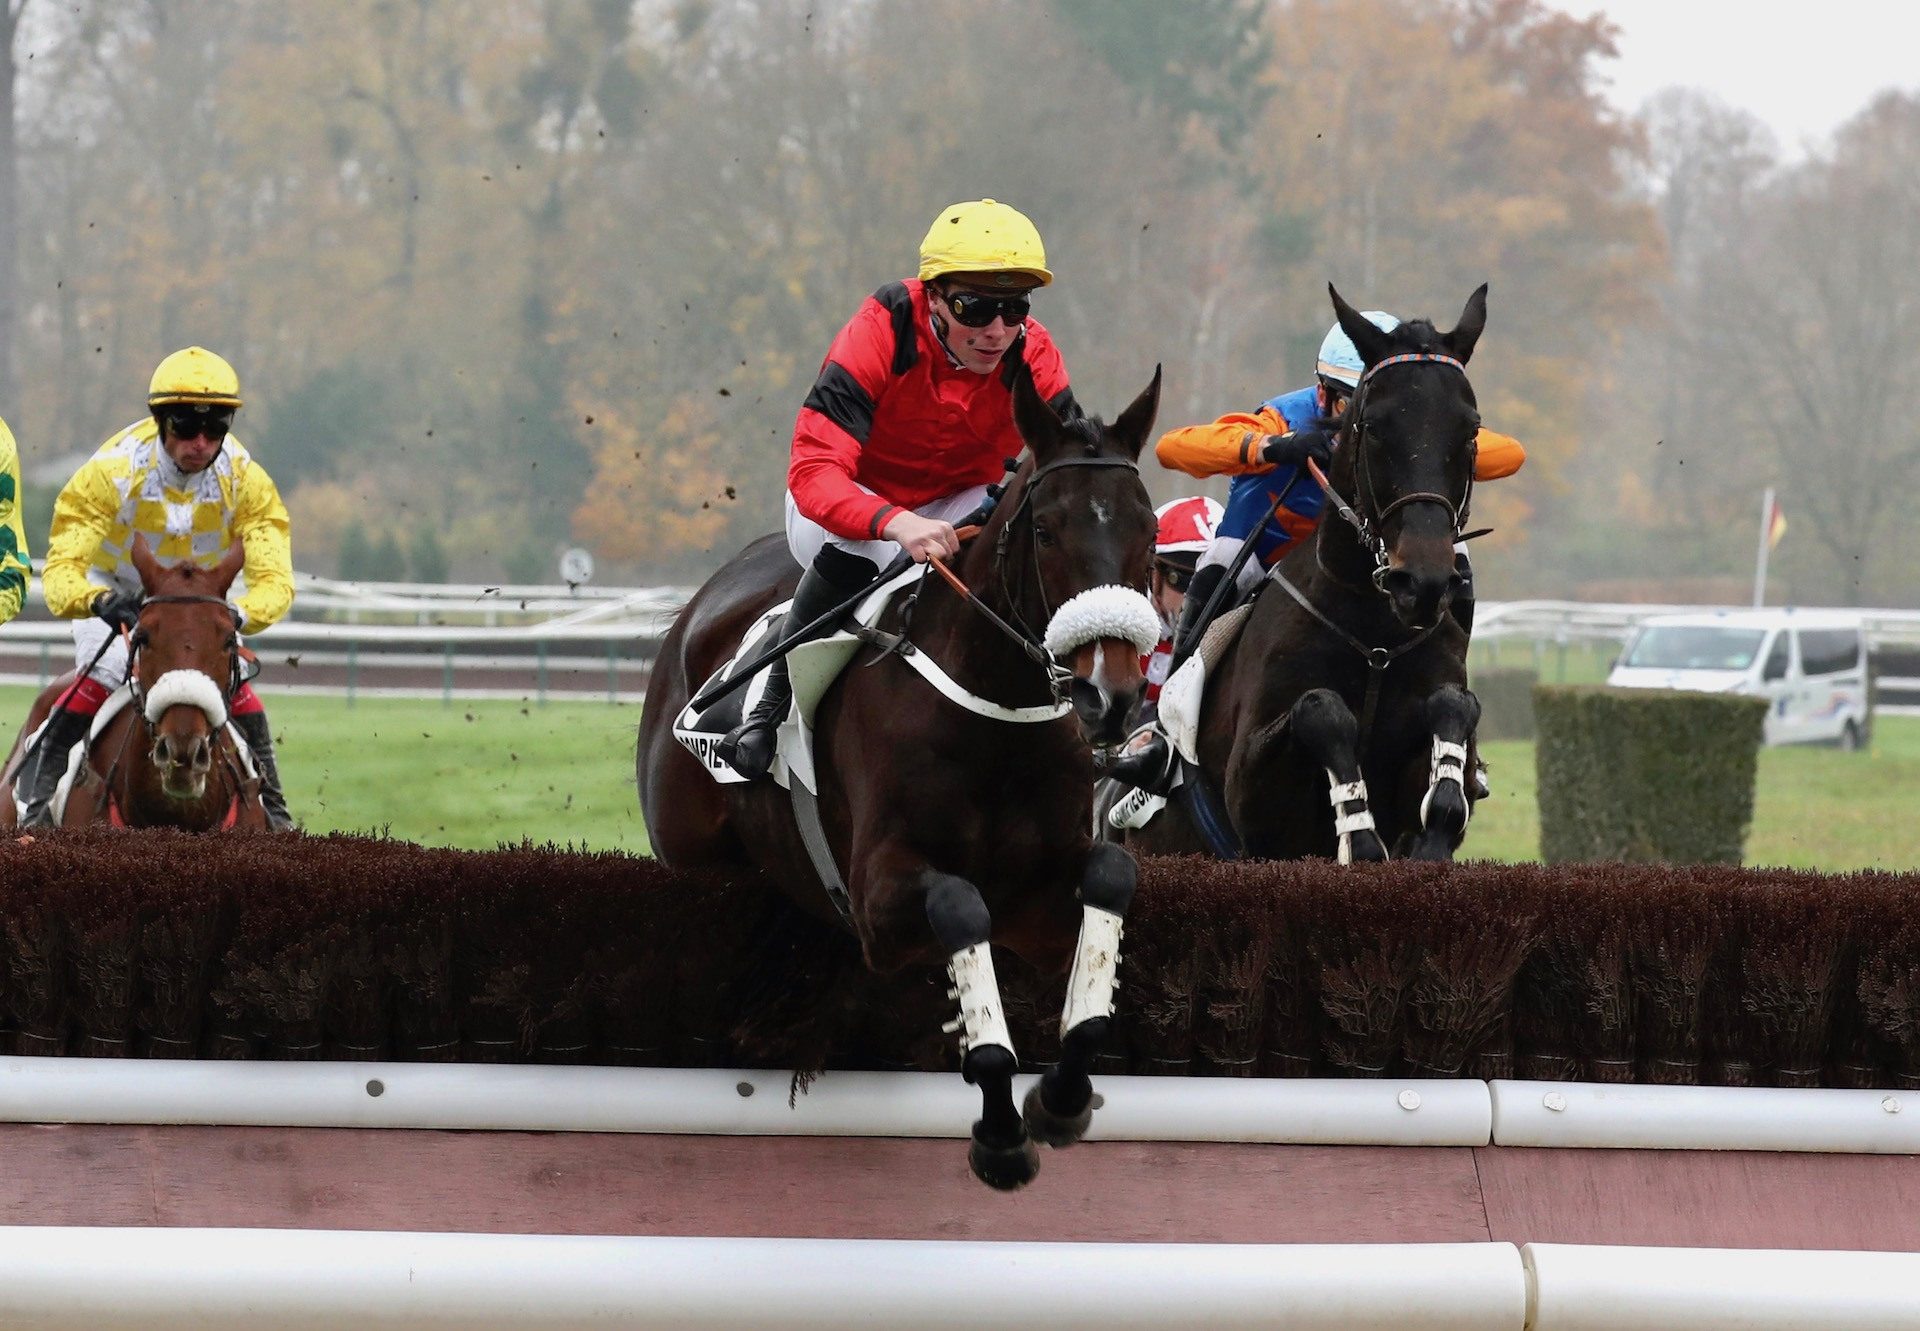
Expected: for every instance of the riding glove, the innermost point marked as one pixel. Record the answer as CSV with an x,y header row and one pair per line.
x,y
1292,450
120,609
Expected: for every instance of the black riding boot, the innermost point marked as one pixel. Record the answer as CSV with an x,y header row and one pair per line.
x,y
39,776
833,576
258,732
1193,622
1149,768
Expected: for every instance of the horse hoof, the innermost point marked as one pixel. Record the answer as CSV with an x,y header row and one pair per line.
x,y
1054,1129
1005,1168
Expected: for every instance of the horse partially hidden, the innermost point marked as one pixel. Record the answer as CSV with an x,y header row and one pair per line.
x,y
167,759
1347,685
954,828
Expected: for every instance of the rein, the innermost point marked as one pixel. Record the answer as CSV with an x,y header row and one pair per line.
x,y
1029,642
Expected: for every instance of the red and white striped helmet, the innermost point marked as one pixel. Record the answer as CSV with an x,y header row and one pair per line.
x,y
1186,525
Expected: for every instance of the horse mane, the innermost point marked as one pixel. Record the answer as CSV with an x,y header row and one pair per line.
x,y
183,578
1090,432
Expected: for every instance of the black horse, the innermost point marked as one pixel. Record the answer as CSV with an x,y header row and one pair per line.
x,y
1347,686
956,825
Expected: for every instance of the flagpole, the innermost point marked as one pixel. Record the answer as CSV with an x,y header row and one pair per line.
x,y
1760,563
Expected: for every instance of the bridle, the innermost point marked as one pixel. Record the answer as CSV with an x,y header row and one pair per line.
x,y
1370,522
139,640
1059,676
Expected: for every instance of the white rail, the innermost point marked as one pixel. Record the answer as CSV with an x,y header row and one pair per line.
x,y
153,1279
79,1279
530,1098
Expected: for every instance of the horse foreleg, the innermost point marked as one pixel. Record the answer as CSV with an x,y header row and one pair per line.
x,y
1325,727
1002,1155
1453,713
1059,1108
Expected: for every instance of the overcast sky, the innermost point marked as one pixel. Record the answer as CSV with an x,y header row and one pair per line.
x,y
1803,68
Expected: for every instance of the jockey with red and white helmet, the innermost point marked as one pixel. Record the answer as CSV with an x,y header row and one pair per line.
x,y
908,422
1272,497
1186,530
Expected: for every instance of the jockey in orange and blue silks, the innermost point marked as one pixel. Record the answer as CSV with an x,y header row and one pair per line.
x,y
1273,498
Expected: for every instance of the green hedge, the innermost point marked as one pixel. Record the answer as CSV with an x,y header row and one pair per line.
x,y
1506,701
1644,775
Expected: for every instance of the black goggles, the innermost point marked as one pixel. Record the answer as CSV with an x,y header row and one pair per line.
x,y
198,424
977,311
1177,576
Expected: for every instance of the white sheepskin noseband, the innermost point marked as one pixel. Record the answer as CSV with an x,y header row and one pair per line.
x,y
1104,612
190,687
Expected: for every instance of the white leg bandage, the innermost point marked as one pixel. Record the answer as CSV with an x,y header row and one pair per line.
x,y
1096,969
982,1021
1449,764
1354,817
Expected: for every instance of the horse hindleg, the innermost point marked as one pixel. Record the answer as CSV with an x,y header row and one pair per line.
x,y
1324,725
1002,1155
1453,713
1059,1108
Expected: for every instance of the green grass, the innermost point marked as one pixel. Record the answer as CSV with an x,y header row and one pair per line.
x,y
479,773
473,774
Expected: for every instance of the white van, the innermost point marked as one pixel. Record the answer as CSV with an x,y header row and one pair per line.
x,y
1810,665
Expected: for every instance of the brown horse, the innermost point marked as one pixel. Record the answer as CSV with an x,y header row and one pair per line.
x,y
1347,685
167,759
961,821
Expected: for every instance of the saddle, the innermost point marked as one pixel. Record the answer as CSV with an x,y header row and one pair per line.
x,y
1184,691
812,666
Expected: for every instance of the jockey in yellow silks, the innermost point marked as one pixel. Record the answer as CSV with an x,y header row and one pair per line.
x,y
180,479
14,568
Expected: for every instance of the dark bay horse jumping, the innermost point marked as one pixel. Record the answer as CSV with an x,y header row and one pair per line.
x,y
956,824
167,759
1347,686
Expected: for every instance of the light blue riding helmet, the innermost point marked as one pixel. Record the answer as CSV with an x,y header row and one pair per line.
x,y
1340,359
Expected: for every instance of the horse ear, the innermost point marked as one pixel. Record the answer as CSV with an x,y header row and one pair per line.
x,y
140,555
1372,344
1136,422
1038,423
1473,322
229,567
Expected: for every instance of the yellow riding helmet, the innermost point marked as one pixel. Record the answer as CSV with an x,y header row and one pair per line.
x,y
985,237
194,377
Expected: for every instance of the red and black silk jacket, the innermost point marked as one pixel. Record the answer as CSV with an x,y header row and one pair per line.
x,y
891,411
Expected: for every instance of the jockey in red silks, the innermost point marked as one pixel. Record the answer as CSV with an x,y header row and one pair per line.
x,y
1186,530
909,420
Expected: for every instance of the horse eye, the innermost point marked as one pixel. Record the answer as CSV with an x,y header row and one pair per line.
x,y
1042,535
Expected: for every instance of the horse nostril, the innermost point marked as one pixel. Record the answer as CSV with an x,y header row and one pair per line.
x,y
202,755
